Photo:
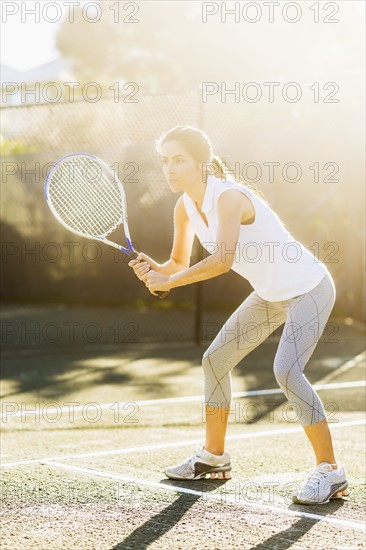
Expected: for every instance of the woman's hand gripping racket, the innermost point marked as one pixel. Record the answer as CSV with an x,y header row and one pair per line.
x,y
87,198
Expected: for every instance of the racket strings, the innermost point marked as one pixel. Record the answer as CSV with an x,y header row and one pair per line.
x,y
69,204
71,210
114,200
115,197
65,207
89,207
111,204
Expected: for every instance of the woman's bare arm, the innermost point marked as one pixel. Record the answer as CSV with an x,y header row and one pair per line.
x,y
232,207
181,250
182,242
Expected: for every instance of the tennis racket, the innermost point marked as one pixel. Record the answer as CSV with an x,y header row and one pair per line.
x,y
87,198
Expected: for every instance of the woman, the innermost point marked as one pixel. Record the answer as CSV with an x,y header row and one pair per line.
x,y
241,232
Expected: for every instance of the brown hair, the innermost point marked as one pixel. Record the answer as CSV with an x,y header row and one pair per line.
x,y
198,145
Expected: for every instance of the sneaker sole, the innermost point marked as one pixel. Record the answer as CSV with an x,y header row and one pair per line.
x,y
340,493
219,473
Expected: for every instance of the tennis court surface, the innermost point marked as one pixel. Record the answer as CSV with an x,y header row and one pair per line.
x,y
87,431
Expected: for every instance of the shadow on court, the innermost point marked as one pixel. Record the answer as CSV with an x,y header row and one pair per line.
x,y
288,537
100,453
150,370
160,524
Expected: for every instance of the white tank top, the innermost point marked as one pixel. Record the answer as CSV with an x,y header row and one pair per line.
x,y
277,266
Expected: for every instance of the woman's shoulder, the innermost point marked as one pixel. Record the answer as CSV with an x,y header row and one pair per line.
x,y
221,185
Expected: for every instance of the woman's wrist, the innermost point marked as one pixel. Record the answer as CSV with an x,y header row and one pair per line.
x,y
153,265
172,281
168,283
156,267
168,268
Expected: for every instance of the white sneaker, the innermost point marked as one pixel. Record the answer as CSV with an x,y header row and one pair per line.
x,y
200,464
324,484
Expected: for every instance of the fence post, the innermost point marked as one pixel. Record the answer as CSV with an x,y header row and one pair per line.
x,y
198,293
198,314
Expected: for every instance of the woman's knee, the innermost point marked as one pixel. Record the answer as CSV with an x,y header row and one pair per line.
x,y
206,360
213,363
281,370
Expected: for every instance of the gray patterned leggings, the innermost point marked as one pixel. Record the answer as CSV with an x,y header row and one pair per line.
x,y
255,319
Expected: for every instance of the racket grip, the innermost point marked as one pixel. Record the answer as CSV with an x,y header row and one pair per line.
x,y
160,293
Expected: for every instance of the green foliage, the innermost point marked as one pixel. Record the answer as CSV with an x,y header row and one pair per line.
x,y
15,147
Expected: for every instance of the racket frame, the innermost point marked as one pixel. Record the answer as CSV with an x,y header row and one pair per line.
x,y
130,251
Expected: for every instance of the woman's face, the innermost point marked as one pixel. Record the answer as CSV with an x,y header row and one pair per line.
x,y
180,169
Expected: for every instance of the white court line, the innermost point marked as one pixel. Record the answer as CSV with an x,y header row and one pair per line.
x,y
358,525
165,401
147,448
345,367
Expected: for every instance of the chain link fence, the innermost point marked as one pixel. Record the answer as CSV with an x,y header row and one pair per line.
x,y
44,263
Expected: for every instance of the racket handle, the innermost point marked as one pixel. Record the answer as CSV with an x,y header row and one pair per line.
x,y
160,293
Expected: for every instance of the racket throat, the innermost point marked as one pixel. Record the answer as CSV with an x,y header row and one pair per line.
x,y
130,250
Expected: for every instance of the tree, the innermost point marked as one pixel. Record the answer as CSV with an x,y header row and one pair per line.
x,y
149,52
